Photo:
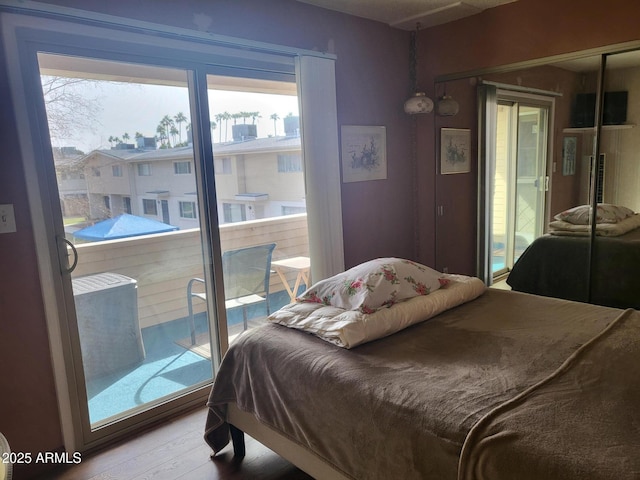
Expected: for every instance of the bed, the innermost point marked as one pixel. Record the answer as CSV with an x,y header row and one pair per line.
x,y
557,265
506,385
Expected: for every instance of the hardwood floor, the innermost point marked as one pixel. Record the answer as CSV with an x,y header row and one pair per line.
x,y
176,450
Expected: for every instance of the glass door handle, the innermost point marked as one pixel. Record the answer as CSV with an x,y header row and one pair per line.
x,y
542,183
74,264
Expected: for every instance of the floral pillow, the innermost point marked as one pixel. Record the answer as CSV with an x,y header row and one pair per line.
x,y
605,213
374,285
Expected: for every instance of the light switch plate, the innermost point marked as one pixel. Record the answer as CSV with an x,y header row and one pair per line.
x,y
7,219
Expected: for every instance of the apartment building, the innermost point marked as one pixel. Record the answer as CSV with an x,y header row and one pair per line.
x,y
255,178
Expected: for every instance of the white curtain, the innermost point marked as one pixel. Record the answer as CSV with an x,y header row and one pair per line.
x,y
319,127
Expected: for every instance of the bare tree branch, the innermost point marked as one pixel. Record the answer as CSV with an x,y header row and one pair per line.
x,y
69,108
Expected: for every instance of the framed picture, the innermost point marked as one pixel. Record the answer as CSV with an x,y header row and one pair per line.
x,y
569,146
455,150
364,153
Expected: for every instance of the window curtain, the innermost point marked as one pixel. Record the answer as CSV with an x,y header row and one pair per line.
x,y
319,127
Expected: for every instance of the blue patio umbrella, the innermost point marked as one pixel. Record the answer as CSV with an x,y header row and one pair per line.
x,y
122,226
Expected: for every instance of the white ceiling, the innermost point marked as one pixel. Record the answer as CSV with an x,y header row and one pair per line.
x,y
406,14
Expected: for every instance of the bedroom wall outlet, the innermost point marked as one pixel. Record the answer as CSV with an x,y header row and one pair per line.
x,y
7,219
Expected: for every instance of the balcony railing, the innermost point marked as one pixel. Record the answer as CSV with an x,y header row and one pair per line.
x,y
162,264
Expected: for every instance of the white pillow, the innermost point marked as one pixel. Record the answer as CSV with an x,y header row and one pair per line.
x,y
605,213
373,285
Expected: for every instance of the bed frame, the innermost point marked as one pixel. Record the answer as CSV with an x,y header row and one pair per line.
x,y
241,422
585,334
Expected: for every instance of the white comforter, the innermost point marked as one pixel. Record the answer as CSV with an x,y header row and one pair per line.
x,y
562,228
349,328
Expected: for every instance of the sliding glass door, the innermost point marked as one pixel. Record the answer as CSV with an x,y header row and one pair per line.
x,y
532,180
514,179
520,181
128,189
261,198
166,173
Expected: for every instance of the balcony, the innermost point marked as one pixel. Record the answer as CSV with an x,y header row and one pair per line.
x,y
162,265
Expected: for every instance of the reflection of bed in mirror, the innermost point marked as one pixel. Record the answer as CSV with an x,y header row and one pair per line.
x,y
557,265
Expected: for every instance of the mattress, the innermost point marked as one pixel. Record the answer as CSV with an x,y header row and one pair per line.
x,y
401,406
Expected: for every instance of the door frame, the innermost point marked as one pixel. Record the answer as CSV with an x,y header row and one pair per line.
x,y
489,95
50,25
68,373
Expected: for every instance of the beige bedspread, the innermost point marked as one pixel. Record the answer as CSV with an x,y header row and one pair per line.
x,y
401,406
582,422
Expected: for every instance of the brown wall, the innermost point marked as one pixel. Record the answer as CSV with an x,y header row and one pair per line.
x,y
28,406
371,87
372,83
516,32
377,216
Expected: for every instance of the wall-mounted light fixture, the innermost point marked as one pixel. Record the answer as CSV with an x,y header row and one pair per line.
x,y
418,102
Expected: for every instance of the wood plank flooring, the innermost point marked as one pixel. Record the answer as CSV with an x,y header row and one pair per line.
x,y
176,451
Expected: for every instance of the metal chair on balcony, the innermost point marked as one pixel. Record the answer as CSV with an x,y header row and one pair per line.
x,y
246,274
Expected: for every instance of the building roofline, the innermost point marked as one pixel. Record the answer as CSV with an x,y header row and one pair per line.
x,y
258,145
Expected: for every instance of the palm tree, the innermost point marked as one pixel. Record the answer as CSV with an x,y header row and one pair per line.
x,y
180,119
110,140
173,131
167,123
254,116
275,117
226,116
160,130
138,136
219,117
125,137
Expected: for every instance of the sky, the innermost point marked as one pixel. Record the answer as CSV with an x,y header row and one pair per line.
x,y
121,108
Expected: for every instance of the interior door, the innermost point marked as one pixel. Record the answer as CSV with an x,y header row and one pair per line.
x,y
130,333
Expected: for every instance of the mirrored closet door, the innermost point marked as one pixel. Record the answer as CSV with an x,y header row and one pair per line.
x,y
591,162
616,185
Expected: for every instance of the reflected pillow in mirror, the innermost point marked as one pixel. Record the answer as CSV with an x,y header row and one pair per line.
x,y
605,213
